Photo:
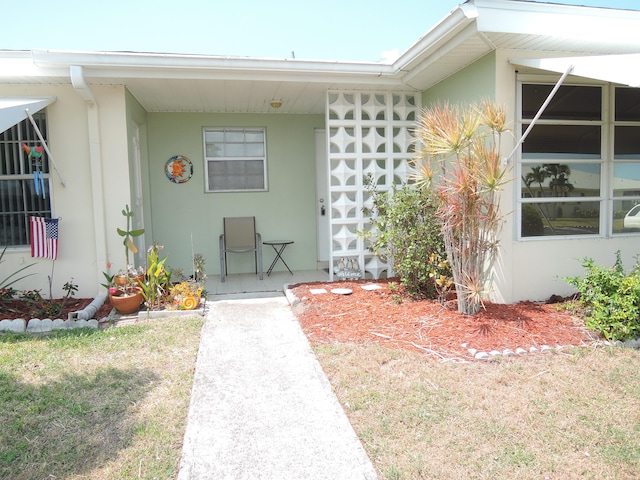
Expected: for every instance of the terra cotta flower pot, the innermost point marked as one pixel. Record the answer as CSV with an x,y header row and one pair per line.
x,y
126,304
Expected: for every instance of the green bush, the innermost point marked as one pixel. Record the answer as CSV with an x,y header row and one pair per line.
x,y
407,232
611,298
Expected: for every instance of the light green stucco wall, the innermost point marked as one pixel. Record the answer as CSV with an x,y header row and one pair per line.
x,y
285,211
471,84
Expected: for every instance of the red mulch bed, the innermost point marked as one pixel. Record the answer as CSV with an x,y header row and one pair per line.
x,y
387,317
12,309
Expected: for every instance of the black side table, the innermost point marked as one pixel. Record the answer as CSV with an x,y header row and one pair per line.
x,y
278,247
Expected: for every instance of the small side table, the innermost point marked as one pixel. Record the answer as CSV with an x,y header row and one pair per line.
x,y
278,247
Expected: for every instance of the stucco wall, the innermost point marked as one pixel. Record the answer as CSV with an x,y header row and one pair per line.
x,y
78,261
472,84
180,213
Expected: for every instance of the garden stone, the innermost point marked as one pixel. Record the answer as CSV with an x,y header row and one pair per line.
x,y
472,352
37,325
18,325
59,324
508,353
495,353
533,350
482,356
93,323
521,351
545,348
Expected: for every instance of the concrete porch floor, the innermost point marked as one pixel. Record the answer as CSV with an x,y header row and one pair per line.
x,y
249,283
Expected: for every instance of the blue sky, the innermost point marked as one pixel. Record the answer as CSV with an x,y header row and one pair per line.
x,y
326,30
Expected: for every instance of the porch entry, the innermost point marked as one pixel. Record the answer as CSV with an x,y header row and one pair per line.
x,y
368,140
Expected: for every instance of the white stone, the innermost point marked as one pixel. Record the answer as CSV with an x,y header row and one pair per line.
x,y
521,351
545,348
482,356
495,353
533,350
508,353
37,325
317,291
18,325
59,324
472,352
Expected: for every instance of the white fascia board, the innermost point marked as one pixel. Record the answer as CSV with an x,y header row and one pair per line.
x,y
620,69
133,65
448,28
17,64
553,20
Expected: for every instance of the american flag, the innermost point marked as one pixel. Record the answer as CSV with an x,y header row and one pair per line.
x,y
44,237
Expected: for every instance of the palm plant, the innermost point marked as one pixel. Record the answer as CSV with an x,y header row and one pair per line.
x,y
459,159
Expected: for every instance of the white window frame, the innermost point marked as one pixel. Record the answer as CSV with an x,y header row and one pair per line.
x,y
225,157
605,160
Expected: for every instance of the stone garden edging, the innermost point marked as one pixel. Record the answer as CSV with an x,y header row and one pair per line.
x,y
83,319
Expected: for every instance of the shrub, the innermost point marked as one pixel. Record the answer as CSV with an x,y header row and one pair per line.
x,y
459,157
407,232
611,298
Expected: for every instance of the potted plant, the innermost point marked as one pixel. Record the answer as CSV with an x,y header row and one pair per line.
x,y
125,292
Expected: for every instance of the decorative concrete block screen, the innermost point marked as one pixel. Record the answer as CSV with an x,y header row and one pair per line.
x,y
369,135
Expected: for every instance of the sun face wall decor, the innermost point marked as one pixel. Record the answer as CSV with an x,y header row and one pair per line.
x,y
178,169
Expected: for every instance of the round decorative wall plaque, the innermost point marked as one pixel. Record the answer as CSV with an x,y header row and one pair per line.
x,y
179,169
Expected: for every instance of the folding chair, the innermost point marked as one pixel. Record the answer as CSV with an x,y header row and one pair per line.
x,y
240,236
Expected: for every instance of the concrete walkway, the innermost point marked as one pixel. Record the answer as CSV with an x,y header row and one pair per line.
x,y
261,406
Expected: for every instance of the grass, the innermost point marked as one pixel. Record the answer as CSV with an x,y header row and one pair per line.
x,y
564,415
109,404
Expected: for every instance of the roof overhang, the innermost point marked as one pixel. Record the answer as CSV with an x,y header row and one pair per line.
x,y
620,69
202,83
14,110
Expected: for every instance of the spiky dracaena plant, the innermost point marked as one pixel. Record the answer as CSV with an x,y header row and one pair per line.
x,y
459,158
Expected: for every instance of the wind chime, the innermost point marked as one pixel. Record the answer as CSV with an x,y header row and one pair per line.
x,y
35,156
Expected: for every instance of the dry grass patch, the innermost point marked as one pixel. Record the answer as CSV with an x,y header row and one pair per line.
x,y
564,415
96,404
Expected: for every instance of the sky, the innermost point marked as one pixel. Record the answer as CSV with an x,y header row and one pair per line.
x,y
343,30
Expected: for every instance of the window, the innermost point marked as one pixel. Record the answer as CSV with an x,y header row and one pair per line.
x,y
18,196
579,172
235,159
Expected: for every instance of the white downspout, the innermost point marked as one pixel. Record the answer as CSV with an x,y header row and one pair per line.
x,y
95,162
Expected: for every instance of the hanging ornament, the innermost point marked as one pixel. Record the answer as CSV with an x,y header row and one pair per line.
x,y
35,155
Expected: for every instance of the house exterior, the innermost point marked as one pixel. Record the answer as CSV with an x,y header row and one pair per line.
x,y
187,140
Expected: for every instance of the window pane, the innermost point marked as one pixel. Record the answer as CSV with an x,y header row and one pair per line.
x,y
569,141
560,218
236,171
254,167
627,104
552,180
234,136
214,136
627,142
626,216
254,136
255,150
626,179
234,150
569,102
